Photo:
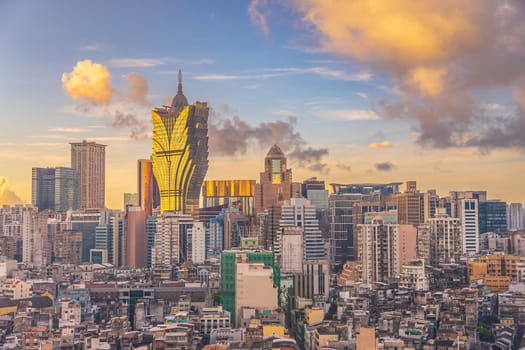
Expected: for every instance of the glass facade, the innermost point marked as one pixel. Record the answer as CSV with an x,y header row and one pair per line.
x,y
180,153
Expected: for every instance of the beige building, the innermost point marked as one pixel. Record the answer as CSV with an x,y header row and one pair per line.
x,y
407,243
410,205
254,288
89,161
366,339
16,289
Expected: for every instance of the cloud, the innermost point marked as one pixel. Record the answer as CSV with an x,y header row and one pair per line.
x,y
267,73
89,82
234,136
69,130
384,166
137,62
380,145
7,196
362,94
92,47
440,55
350,114
138,88
343,167
257,17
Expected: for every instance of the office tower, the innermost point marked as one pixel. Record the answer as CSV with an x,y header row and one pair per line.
x,y
147,189
229,262
381,190
180,152
268,222
341,226
456,197
136,237
378,250
66,189
444,239
43,188
170,245
239,194
298,212
86,222
410,205
492,216
275,182
89,161
198,243
468,216
515,214
431,204
315,191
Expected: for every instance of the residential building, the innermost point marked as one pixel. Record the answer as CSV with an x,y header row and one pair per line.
x,y
444,239
88,159
410,205
170,244
468,216
16,289
136,236
413,276
516,216
198,243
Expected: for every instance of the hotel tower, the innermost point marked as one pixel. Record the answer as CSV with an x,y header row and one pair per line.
x,y
180,152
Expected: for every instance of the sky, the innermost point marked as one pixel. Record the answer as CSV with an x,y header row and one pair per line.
x,y
361,91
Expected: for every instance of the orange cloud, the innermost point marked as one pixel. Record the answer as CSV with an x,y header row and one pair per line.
x,y
7,197
380,145
88,81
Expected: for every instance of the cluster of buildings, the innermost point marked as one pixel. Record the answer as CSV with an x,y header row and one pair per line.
x,y
271,263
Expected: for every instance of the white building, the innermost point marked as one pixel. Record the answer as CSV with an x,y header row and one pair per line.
x,y
167,248
289,250
16,289
378,250
515,216
212,318
413,276
298,212
7,266
198,243
468,215
70,313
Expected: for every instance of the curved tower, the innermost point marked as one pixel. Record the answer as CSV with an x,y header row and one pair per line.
x,y
180,152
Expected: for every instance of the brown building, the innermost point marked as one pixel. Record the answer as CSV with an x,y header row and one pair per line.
x,y
68,247
407,243
136,224
275,182
410,205
147,191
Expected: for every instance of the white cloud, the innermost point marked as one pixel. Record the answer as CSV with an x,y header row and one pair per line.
x,y
72,130
92,47
138,62
350,114
362,94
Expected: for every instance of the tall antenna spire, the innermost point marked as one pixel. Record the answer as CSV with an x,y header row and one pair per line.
x,y
179,91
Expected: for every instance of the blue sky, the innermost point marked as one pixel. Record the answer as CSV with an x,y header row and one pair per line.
x,y
230,62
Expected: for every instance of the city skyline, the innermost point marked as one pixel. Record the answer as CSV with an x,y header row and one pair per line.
x,y
330,106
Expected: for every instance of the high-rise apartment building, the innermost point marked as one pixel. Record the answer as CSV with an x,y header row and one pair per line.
x,y
169,247
180,152
444,239
515,216
136,237
275,182
89,161
298,212
378,250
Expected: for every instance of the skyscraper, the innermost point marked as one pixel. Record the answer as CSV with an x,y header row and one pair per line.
x,y
180,152
276,181
66,189
89,161
147,189
43,188
55,188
